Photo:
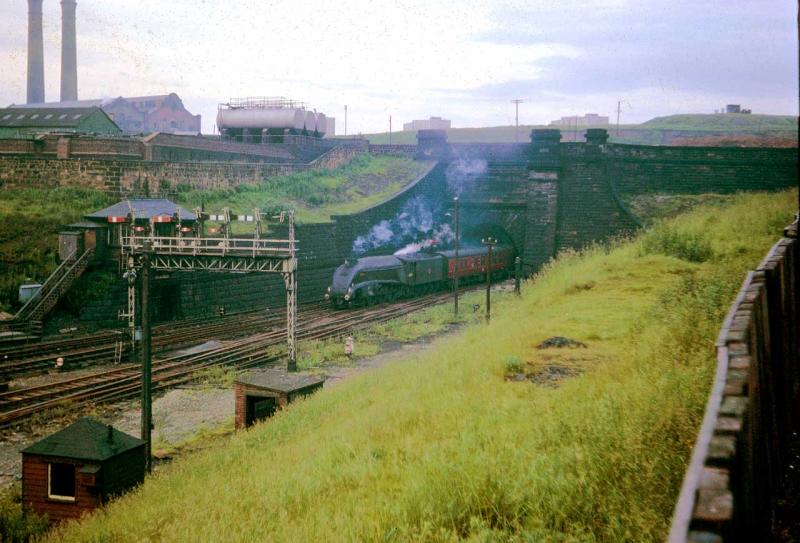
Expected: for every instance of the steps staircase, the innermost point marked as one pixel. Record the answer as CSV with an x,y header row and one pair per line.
x,y
28,319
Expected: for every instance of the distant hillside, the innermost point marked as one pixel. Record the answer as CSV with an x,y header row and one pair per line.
x,y
730,122
672,130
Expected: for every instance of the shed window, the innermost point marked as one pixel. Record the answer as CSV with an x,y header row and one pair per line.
x,y
61,482
20,116
35,116
6,116
76,116
62,116
48,116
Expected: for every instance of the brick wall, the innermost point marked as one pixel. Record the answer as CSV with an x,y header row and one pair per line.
x,y
139,177
638,169
394,150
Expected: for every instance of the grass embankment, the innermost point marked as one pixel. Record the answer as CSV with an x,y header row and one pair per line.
x,y
315,195
29,223
447,447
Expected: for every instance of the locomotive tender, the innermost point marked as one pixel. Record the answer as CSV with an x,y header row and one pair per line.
x,y
385,278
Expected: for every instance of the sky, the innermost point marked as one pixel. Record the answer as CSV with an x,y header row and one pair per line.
x,y
463,60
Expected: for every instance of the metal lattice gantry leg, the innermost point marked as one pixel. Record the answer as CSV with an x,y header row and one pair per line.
x,y
291,319
130,315
290,279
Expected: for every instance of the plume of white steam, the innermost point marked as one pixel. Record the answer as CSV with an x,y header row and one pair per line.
x,y
414,224
461,174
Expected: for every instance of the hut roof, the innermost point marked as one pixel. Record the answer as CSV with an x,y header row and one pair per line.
x,y
143,209
85,439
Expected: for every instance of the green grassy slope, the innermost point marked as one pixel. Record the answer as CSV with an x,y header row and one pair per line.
x,y
317,194
444,447
29,223
731,122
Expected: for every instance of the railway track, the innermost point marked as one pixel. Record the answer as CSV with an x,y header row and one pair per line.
x,y
22,360
264,348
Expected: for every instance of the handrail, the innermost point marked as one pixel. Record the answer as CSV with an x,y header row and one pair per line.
x,y
86,254
42,291
196,246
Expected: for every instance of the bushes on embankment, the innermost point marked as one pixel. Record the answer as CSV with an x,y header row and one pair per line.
x,y
486,436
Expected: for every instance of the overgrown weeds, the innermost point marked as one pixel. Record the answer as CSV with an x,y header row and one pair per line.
x,y
445,448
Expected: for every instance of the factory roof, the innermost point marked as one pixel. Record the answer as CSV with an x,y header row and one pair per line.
x,y
143,209
62,117
86,439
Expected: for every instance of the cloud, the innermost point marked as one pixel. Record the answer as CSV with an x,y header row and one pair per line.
x,y
414,58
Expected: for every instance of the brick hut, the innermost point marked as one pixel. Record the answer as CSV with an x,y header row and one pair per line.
x,y
79,468
260,393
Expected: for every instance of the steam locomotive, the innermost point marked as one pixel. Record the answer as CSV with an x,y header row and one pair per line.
x,y
375,279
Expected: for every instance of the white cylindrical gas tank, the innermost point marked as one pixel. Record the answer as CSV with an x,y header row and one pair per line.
x,y
310,121
322,124
261,118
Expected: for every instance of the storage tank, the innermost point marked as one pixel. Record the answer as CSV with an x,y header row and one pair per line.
x,y
322,124
261,118
310,122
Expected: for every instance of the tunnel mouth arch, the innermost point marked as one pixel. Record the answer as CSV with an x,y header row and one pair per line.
x,y
471,235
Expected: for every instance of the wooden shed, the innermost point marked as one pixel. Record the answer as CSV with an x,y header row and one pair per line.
x,y
260,393
79,468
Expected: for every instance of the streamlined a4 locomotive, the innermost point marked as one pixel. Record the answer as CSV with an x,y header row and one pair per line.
x,y
385,278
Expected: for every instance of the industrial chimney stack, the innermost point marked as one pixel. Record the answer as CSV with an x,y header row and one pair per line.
x,y
35,53
69,55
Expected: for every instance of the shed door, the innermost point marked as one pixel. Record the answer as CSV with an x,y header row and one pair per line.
x,y
259,408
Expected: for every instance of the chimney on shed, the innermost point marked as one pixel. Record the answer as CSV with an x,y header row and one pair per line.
x,y
35,53
69,55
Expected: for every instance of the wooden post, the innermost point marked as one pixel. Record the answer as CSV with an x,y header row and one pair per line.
x,y
490,243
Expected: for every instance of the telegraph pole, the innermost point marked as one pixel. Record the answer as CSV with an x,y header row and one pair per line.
x,y
490,242
516,102
455,264
345,119
390,129
147,407
619,110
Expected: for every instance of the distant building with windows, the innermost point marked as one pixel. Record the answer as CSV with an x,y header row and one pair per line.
x,y
736,108
139,114
17,121
434,123
590,119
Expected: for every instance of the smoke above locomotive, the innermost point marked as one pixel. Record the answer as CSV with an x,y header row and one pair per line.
x,y
416,226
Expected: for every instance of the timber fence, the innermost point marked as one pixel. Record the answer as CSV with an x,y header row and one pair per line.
x,y
739,483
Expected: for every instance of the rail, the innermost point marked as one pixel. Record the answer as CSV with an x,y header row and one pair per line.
x,y
197,246
738,481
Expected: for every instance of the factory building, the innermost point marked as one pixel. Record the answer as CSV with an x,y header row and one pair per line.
x,y
140,114
25,121
434,123
590,119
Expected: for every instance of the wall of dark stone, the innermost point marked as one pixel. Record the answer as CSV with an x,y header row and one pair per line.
x,y
638,169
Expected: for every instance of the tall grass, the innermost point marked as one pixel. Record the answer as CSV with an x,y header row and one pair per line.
x,y
315,194
444,448
29,223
